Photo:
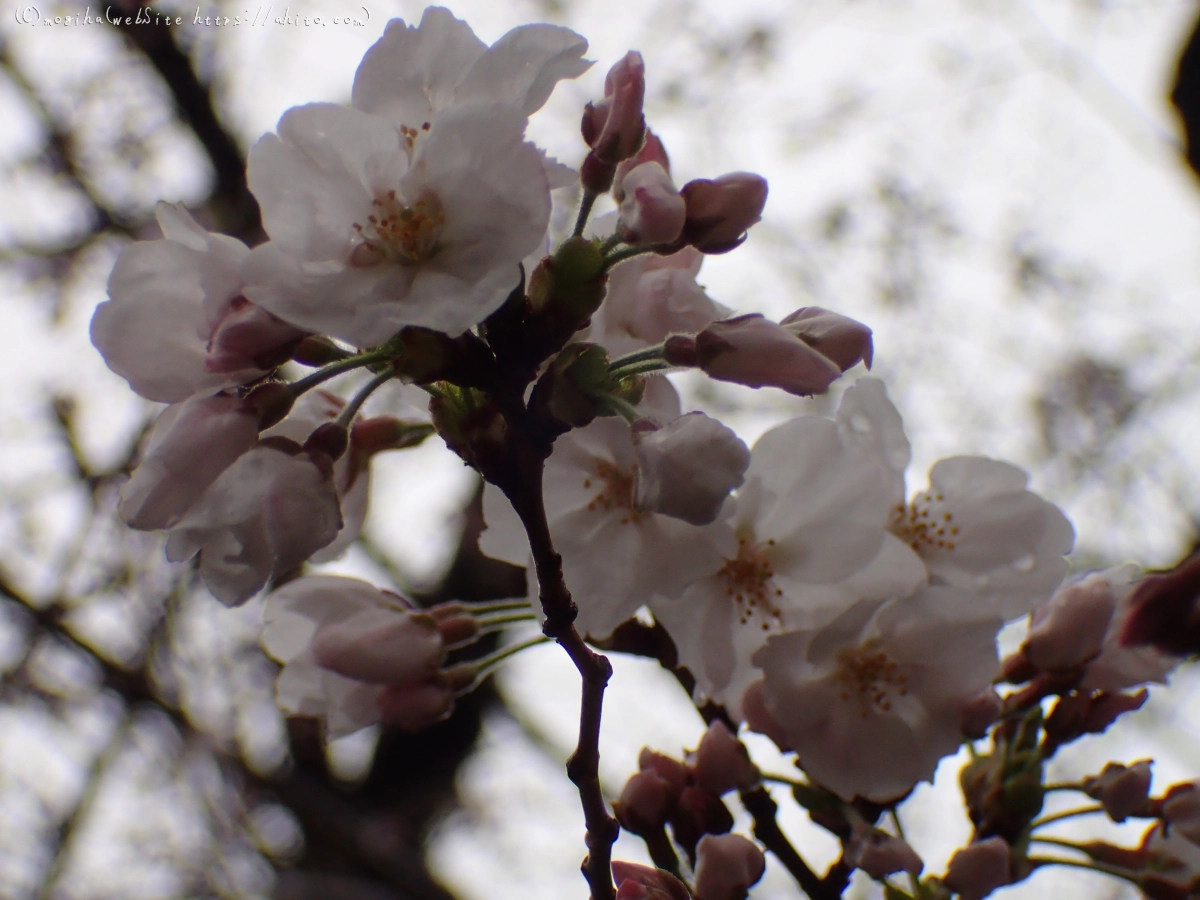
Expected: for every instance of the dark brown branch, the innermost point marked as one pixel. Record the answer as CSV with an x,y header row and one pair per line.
x,y
583,767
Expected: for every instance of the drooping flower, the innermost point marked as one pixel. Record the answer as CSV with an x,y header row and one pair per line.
x,y
727,866
412,74
354,655
191,444
873,700
271,510
652,210
177,323
616,557
365,240
756,352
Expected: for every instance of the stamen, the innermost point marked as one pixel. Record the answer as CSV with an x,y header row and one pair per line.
x,y
748,580
868,673
616,492
920,526
407,234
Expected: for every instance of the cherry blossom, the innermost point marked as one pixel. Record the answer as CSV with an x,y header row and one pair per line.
x,y
365,241
652,210
977,870
412,74
265,515
720,211
177,324
880,854
874,699
727,866
758,353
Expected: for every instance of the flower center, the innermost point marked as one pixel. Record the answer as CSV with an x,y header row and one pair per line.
x,y
410,135
924,527
869,673
748,580
616,491
407,234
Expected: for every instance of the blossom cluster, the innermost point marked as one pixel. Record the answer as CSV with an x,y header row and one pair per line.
x,y
804,591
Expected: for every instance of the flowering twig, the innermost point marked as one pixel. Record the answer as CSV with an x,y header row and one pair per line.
x,y
1066,814
762,807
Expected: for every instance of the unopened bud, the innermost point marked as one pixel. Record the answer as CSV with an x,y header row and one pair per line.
x,y
1166,610
1181,810
980,712
330,439
680,350
699,812
721,210
270,402
1122,790
722,763
727,867
979,869
644,803
668,768
317,350
636,882
1069,628
880,854
614,128
841,339
755,352
652,151
380,646
653,211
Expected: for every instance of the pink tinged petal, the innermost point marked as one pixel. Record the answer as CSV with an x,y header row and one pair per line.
x,y
720,211
880,854
1118,667
293,613
652,210
652,151
191,445
727,866
615,128
1069,629
837,337
1181,811
979,869
248,339
265,514
380,646
353,502
644,802
635,882
524,66
687,468
722,763
758,717
411,72
415,706
755,352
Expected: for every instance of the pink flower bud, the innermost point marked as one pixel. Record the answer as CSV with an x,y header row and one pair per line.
x,y
636,882
727,866
687,468
753,351
758,717
671,770
652,151
416,705
381,646
698,812
722,763
455,623
653,211
880,854
615,127
838,338
720,211
1122,790
644,803
247,337
192,443
1166,610
1069,629
980,713
979,869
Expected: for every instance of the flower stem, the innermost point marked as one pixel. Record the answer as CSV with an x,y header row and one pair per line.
x,y
1068,814
486,665
629,252
308,382
488,624
914,882
762,807
621,407
491,606
636,356
645,367
1059,842
347,415
585,210
1092,865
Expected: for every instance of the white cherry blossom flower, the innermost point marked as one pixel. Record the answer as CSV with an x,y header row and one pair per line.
x,y
616,557
977,527
412,74
873,700
176,323
264,516
365,241
810,541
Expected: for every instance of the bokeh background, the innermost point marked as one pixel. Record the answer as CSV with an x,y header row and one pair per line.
x,y
996,186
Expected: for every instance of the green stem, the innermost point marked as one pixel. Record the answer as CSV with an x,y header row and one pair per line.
x,y
646,367
485,665
308,382
1059,842
356,402
1039,861
585,210
912,878
1068,814
1063,786
485,607
636,356
622,408
488,624
630,252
